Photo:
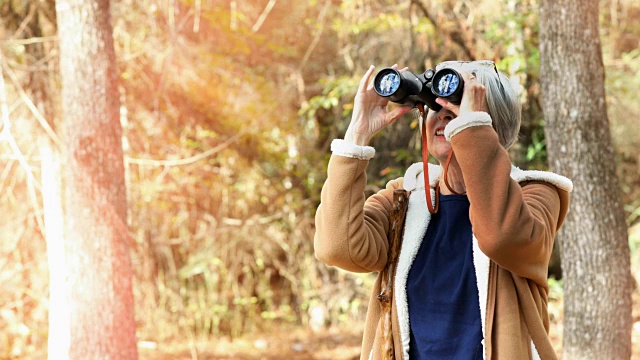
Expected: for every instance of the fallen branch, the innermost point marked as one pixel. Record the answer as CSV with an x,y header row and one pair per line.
x,y
185,161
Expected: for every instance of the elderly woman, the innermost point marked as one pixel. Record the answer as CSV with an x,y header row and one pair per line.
x,y
471,279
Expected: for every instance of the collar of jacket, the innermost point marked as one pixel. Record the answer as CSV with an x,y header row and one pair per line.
x,y
413,177
416,224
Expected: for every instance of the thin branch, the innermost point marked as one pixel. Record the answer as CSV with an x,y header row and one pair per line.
x,y
455,36
4,109
185,161
5,175
29,41
255,220
12,157
317,36
25,22
34,110
40,65
264,15
5,134
233,24
198,12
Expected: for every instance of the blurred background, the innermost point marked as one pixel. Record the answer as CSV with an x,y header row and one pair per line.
x,y
228,109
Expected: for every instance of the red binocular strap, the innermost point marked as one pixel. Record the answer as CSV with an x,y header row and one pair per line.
x,y
425,165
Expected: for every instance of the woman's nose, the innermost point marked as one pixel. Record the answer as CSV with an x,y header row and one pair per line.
x,y
445,115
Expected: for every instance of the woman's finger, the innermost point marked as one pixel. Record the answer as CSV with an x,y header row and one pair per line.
x,y
467,77
396,114
365,80
474,95
448,105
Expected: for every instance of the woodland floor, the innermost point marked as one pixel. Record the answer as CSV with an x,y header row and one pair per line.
x,y
332,344
299,344
289,344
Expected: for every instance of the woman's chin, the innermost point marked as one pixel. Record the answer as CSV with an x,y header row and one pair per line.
x,y
441,154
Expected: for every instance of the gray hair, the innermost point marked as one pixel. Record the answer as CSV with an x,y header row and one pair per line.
x,y
502,101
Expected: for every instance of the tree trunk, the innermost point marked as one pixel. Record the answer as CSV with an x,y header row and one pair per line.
x,y
99,274
593,244
58,342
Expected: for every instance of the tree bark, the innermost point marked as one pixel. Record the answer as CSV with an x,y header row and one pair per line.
x,y
58,341
593,243
99,274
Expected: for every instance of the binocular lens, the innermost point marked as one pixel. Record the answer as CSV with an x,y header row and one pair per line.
x,y
388,84
446,84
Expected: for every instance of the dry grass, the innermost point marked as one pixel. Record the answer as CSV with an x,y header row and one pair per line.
x,y
301,343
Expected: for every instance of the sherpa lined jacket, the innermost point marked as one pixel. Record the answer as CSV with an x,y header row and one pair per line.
x,y
514,215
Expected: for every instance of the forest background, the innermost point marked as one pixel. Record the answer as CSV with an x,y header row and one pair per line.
x,y
228,108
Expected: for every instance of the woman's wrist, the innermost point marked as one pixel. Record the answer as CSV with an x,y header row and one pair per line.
x,y
356,138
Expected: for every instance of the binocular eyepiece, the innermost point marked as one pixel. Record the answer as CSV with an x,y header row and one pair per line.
x,y
406,88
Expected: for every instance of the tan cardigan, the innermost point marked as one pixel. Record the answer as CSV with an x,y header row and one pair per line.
x,y
514,215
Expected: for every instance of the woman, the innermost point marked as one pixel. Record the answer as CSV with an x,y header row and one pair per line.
x,y
471,279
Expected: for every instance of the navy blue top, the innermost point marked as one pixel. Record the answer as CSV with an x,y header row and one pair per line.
x,y
444,312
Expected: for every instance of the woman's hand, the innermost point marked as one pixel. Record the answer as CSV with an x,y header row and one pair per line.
x,y
474,97
370,113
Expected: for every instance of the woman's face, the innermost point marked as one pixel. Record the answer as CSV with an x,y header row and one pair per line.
x,y
438,146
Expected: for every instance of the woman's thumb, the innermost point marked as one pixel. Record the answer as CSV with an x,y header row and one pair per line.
x,y
396,113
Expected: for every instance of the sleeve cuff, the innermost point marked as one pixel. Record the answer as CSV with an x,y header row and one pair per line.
x,y
347,149
465,121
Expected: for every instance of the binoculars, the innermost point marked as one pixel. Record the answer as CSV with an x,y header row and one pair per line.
x,y
407,88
